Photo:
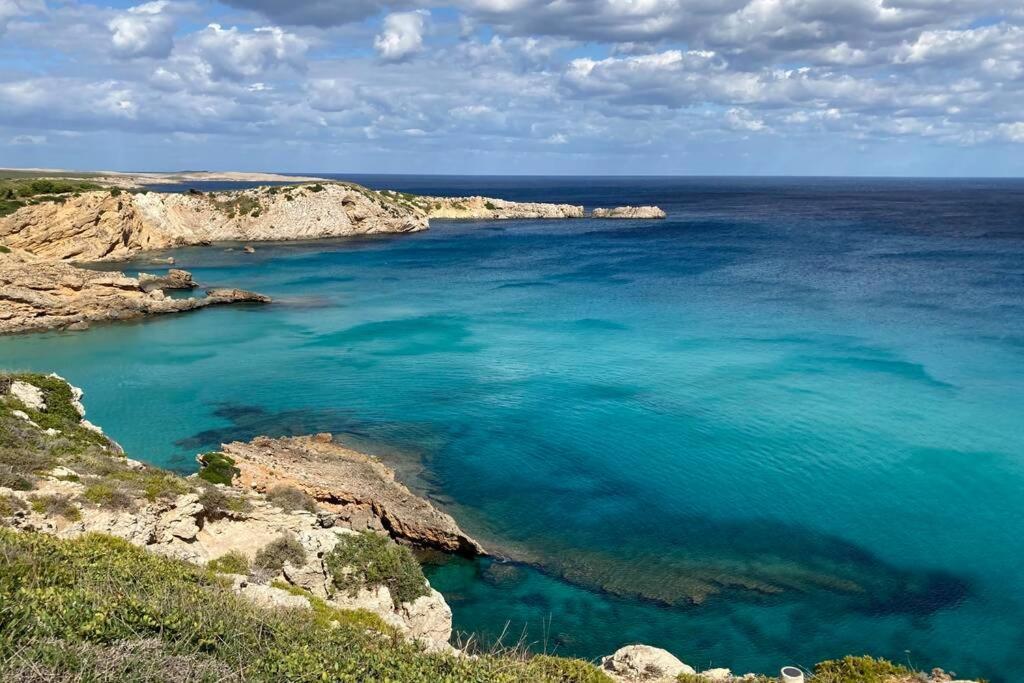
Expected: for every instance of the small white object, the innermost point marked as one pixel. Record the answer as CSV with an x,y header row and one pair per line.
x,y
791,674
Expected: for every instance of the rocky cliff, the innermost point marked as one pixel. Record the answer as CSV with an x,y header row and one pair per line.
x,y
110,225
42,294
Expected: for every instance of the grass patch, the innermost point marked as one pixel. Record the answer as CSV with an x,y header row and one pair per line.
x,y
10,504
18,192
217,503
369,560
328,616
56,506
233,562
108,495
272,557
80,608
863,669
217,468
290,498
238,205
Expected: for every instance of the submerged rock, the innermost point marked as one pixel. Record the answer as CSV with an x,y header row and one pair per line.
x,y
354,485
629,212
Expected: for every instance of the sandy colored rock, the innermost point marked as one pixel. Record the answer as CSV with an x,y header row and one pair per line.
x,y
489,208
97,226
42,294
644,664
343,480
175,278
627,212
29,394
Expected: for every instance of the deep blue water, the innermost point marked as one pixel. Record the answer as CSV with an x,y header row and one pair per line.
x,y
783,425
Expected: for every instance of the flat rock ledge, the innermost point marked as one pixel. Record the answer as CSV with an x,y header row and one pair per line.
x,y
38,294
629,212
357,488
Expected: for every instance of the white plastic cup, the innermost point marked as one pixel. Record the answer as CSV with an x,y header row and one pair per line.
x,y
791,674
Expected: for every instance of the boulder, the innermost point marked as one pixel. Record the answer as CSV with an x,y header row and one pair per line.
x,y
644,664
29,394
629,212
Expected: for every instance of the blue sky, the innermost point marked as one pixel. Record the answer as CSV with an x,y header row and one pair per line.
x,y
804,87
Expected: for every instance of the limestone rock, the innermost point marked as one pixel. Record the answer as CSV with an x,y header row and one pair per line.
x,y
429,620
174,279
629,212
228,295
39,294
717,675
98,226
271,597
29,394
344,480
489,208
643,663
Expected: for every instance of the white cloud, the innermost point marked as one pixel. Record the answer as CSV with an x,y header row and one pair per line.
x,y
12,9
28,140
234,54
143,31
402,35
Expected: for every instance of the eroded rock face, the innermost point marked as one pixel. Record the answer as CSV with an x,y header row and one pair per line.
x,y
352,484
488,208
643,663
627,212
43,294
174,279
98,226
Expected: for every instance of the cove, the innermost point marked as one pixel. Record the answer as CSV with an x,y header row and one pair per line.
x,y
780,426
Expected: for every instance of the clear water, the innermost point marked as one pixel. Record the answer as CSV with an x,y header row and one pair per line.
x,y
783,425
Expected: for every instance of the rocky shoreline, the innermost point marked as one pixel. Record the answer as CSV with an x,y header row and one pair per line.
x,y
39,294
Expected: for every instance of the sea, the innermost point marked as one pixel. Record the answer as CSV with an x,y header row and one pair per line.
x,y
783,425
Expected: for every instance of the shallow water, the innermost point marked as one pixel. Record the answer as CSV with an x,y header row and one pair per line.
x,y
783,425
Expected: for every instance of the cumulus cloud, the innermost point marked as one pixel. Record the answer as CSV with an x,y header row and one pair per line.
x,y
145,30
402,35
234,54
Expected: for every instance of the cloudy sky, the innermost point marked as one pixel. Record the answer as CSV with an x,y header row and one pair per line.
x,y
848,87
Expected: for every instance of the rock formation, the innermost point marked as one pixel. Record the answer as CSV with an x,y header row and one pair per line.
x,y
111,225
174,279
627,212
487,208
359,489
40,294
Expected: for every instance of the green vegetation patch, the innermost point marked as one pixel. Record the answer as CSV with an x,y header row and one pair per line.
x,y
369,560
290,498
80,609
56,506
233,562
863,669
272,557
16,192
238,205
217,468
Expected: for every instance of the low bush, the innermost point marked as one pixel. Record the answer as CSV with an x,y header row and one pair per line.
x,y
108,495
56,506
369,560
217,468
217,503
10,504
233,562
862,669
97,608
290,498
272,557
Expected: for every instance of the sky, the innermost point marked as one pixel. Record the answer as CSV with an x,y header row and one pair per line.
x,y
706,87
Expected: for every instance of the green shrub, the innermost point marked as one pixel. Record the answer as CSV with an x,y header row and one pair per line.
x,y
115,192
162,486
83,608
272,557
290,498
326,615
217,468
862,669
10,504
233,562
316,188
490,206
217,503
15,480
56,506
108,495
3,249
369,560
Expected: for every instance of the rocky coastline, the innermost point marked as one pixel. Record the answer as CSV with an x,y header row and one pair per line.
x,y
630,212
38,294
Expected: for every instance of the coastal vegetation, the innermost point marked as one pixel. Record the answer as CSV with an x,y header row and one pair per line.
x,y
368,560
18,192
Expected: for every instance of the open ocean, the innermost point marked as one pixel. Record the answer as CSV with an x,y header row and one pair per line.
x,y
786,424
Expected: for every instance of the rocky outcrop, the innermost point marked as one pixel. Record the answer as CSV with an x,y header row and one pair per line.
x,y
644,664
175,278
488,208
628,212
39,294
111,225
357,488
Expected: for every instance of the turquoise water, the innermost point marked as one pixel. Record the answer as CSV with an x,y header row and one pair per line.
x,y
783,425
